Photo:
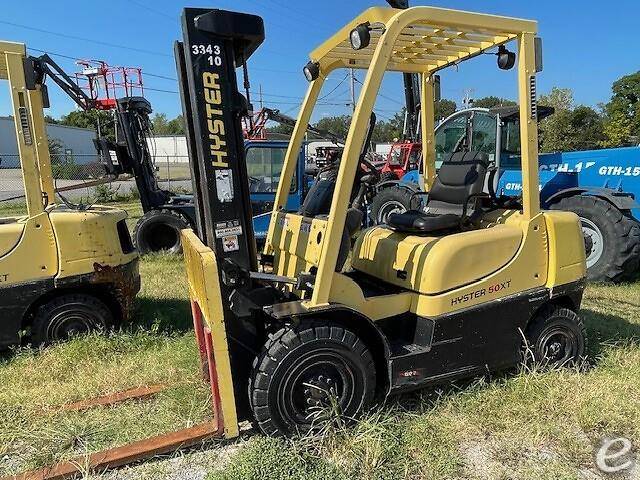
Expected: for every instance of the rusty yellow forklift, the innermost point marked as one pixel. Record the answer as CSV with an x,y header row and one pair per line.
x,y
64,269
344,315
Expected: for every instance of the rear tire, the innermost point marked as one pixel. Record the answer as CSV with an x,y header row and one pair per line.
x,y
613,237
159,230
305,370
556,337
389,200
69,315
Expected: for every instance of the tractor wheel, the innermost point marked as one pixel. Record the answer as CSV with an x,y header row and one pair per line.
x,y
388,177
612,237
555,338
387,201
307,373
68,315
159,230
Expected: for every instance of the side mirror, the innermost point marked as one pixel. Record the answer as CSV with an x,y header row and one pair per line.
x,y
506,58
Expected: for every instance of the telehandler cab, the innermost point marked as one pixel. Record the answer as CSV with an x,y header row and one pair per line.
x,y
63,269
449,292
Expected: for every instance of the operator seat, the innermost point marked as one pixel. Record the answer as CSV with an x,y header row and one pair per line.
x,y
459,182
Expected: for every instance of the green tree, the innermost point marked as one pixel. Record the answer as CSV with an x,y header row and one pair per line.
x,y
444,108
571,127
91,119
492,101
558,98
50,120
280,129
163,126
622,113
338,125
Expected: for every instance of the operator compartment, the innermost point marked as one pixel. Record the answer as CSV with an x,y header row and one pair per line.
x,y
434,264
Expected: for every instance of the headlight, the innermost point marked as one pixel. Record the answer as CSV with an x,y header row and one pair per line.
x,y
506,59
311,71
360,36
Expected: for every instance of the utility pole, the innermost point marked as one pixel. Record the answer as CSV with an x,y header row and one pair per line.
x,y
260,90
467,100
352,76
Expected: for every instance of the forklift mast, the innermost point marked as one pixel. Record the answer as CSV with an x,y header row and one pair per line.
x,y
215,43
133,128
411,91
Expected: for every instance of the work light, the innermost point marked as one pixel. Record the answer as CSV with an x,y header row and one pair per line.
x,y
506,59
360,36
311,71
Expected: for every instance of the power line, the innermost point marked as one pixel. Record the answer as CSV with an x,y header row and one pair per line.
x,y
157,75
334,88
84,39
383,96
151,9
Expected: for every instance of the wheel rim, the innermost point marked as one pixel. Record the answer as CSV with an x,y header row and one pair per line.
x,y
69,323
315,387
558,346
594,238
162,237
387,208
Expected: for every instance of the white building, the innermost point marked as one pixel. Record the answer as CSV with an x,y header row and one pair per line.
x,y
75,142
169,148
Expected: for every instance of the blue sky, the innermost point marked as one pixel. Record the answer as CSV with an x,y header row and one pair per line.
x,y
587,45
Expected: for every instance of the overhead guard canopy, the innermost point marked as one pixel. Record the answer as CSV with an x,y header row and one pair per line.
x,y
433,38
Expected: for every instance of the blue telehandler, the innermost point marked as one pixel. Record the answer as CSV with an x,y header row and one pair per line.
x,y
600,186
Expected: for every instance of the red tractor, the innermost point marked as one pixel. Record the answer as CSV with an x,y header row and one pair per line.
x,y
403,157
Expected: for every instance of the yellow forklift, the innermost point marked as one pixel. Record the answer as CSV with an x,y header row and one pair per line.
x,y
64,269
329,317
330,314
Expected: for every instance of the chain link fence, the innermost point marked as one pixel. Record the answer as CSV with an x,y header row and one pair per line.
x,y
76,175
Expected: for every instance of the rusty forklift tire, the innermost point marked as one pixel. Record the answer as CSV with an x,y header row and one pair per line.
x,y
68,315
618,256
556,337
298,370
159,230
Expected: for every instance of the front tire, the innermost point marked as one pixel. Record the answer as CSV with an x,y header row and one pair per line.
x,y
306,371
555,338
158,231
612,238
69,315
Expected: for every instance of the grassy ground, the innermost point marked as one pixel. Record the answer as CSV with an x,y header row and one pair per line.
x,y
535,425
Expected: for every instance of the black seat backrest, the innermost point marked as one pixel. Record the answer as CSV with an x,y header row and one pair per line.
x,y
459,177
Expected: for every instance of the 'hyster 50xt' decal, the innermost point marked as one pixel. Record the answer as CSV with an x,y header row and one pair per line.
x,y
215,124
481,292
3,277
